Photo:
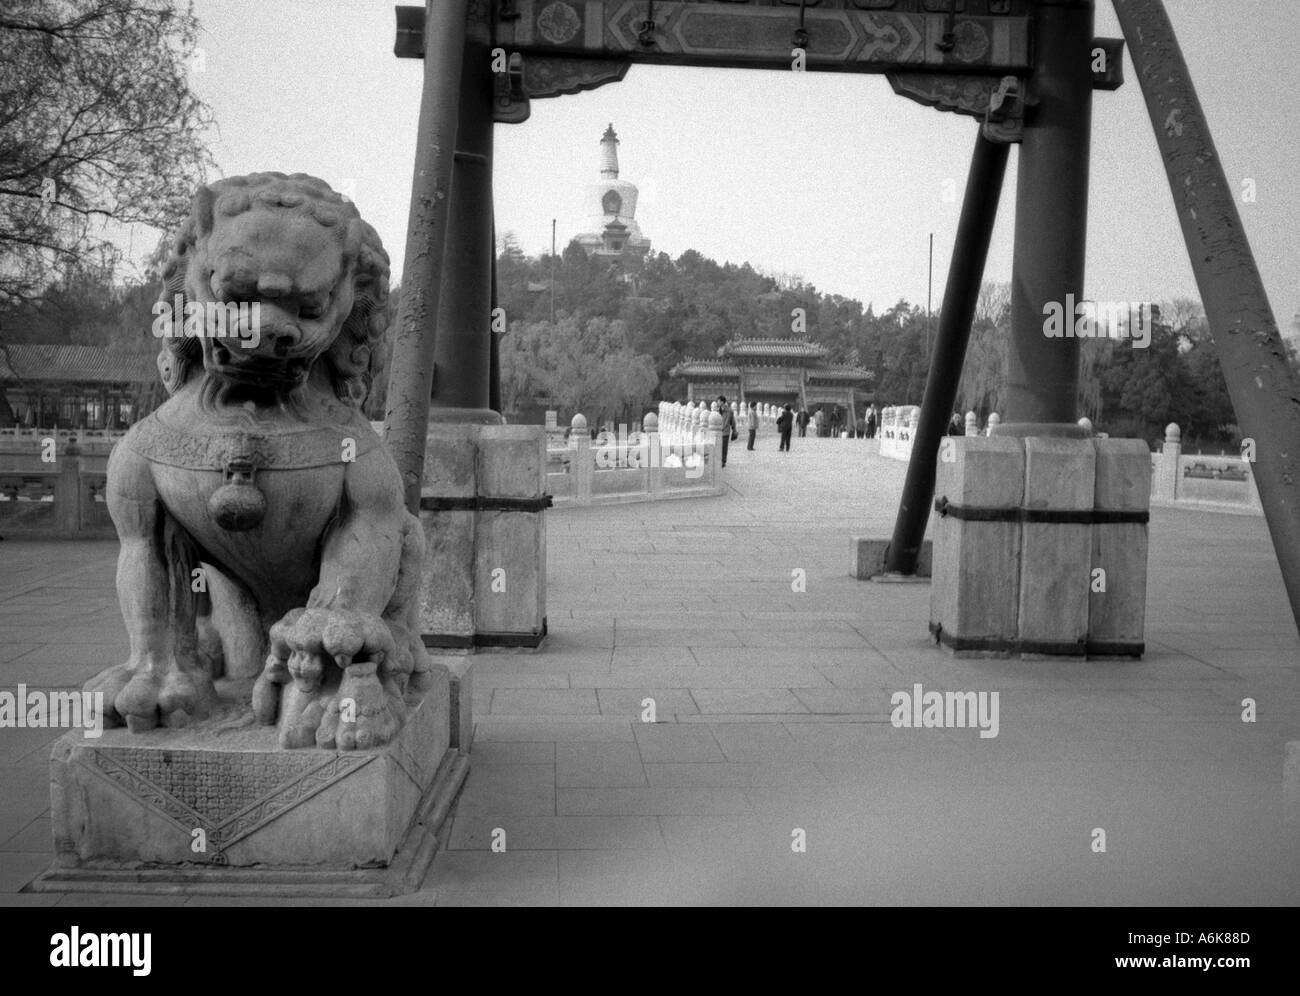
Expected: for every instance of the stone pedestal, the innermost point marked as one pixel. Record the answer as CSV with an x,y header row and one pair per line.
x,y
483,512
975,583
510,548
219,807
1055,555
867,559
448,514
1117,599
1040,547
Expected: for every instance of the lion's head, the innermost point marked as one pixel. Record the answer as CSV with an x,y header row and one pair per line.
x,y
297,251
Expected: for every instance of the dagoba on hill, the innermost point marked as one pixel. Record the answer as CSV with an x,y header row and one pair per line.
x,y
611,206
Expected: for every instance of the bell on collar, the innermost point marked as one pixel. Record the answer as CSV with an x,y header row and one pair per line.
x,y
238,505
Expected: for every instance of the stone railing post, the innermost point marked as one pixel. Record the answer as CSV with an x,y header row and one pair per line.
x,y
652,455
1164,480
972,424
994,421
698,433
913,423
582,464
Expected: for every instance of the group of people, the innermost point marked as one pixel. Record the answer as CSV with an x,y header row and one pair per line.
x,y
785,423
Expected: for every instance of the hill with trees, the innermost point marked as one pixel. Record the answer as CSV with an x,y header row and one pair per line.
x,y
615,338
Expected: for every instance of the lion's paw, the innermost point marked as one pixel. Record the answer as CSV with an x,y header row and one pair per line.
x,y
143,697
361,709
187,694
363,714
109,684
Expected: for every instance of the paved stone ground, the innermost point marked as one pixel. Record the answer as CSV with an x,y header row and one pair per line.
x,y
772,708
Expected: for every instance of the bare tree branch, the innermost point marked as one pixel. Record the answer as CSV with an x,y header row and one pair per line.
x,y
98,121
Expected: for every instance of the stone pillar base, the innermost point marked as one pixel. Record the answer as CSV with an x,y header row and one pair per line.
x,y
867,561
220,808
483,511
1041,547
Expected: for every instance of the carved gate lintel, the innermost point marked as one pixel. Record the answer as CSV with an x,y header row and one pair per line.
x,y
541,76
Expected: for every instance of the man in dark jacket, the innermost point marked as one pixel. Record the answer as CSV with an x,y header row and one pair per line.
x,y
785,423
728,425
803,420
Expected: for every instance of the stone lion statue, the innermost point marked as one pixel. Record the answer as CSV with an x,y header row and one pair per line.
x,y
263,530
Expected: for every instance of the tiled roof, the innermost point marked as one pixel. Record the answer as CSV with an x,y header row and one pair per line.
x,y
705,368
98,364
772,347
838,371
816,371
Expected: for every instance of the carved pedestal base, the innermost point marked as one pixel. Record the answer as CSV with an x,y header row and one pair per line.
x,y
220,808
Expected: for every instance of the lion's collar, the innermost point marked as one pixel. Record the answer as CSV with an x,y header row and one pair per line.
x,y
207,446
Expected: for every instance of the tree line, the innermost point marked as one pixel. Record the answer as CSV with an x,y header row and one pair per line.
x,y
616,336
100,131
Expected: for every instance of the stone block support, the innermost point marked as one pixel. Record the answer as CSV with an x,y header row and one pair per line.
x,y
483,511
510,546
1117,584
1055,556
1040,546
975,585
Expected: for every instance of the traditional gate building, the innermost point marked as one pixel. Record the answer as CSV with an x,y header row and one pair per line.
x,y
90,387
779,371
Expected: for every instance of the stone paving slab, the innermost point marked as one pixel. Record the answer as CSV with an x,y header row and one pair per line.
x,y
772,695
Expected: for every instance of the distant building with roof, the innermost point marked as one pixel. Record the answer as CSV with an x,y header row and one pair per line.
x,y
779,371
611,205
91,387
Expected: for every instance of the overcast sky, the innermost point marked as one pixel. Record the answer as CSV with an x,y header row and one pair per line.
x,y
828,176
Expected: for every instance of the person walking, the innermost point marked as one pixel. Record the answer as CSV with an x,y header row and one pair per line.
x,y
804,419
728,425
871,422
785,423
752,418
